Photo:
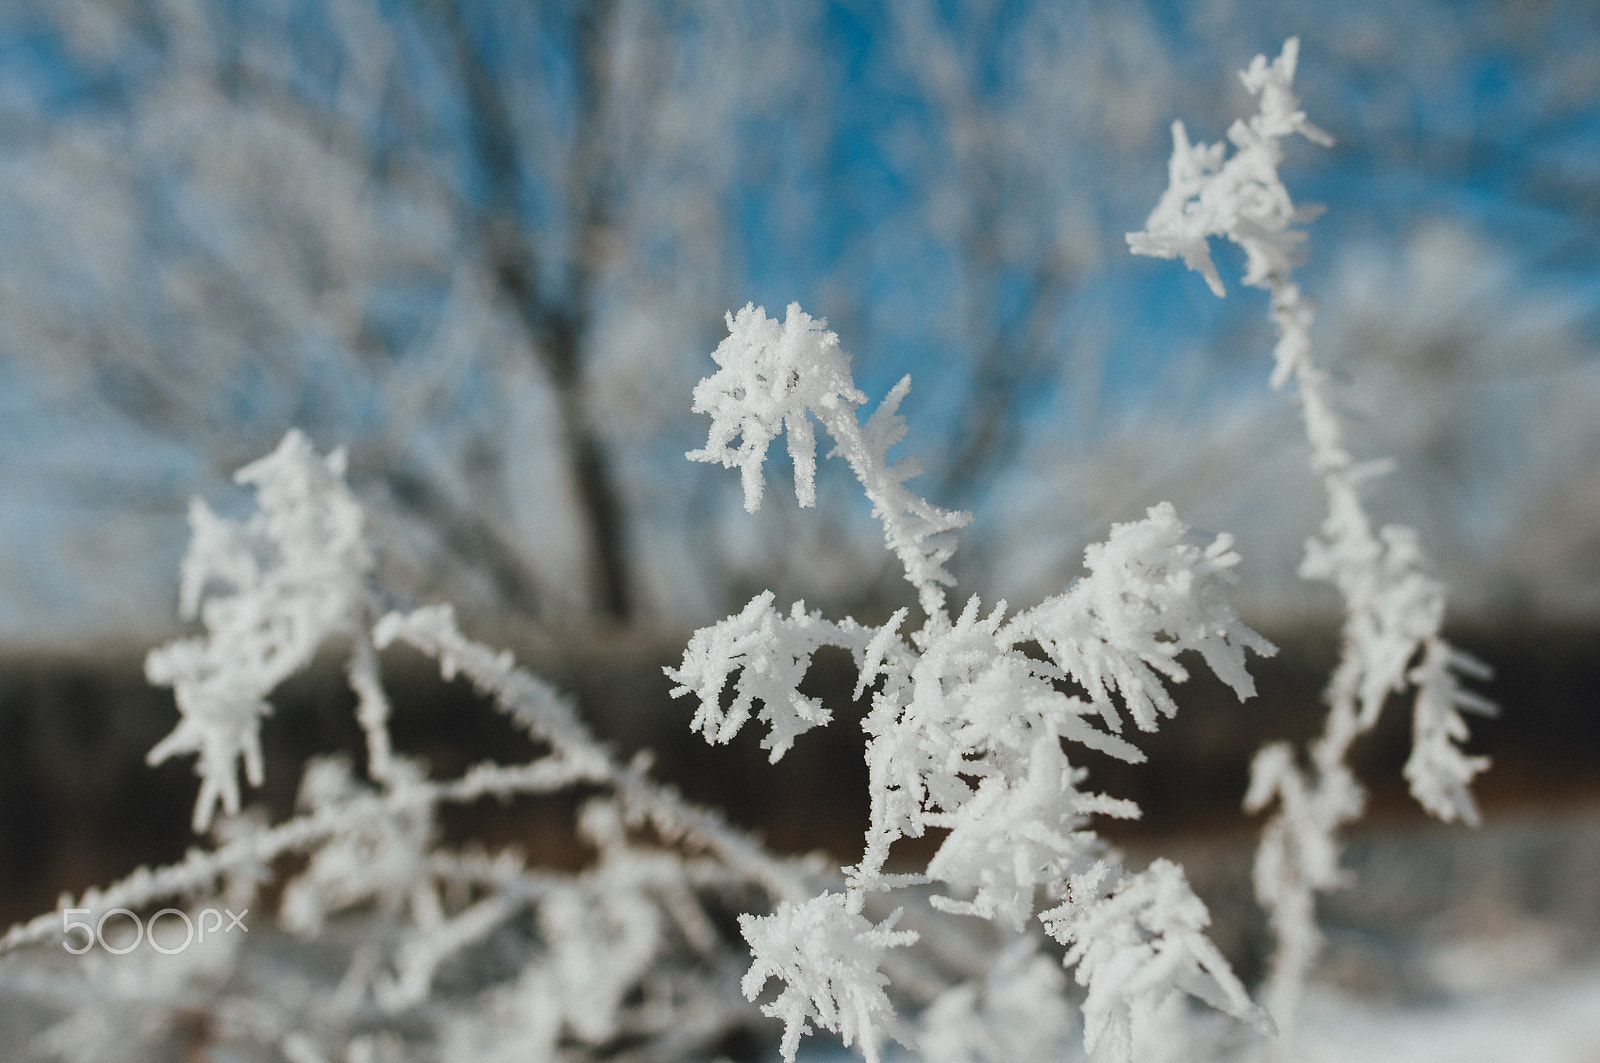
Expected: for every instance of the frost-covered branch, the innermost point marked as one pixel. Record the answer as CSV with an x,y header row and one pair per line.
x,y
969,728
1394,609
626,949
776,377
294,573
1137,941
826,954
770,653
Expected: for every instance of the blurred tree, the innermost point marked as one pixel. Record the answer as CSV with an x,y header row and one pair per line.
x,y
467,237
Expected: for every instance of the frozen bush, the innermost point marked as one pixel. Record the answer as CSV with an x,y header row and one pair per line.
x,y
974,730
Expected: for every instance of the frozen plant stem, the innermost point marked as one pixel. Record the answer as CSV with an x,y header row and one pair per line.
x,y
773,378
1393,609
967,733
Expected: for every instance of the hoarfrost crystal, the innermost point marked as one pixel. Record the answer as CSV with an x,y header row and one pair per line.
x,y
966,728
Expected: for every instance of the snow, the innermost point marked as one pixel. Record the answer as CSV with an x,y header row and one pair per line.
x,y
1551,1018
1554,1017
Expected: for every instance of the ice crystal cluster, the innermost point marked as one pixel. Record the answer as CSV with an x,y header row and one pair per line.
x,y
293,578
968,731
977,715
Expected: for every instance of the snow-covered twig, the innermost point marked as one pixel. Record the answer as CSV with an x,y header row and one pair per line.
x,y
968,731
626,949
1394,609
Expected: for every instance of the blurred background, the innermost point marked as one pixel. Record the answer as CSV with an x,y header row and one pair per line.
x,y
488,246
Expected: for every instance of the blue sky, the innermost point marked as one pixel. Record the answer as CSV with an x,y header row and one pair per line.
x,y
1480,118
